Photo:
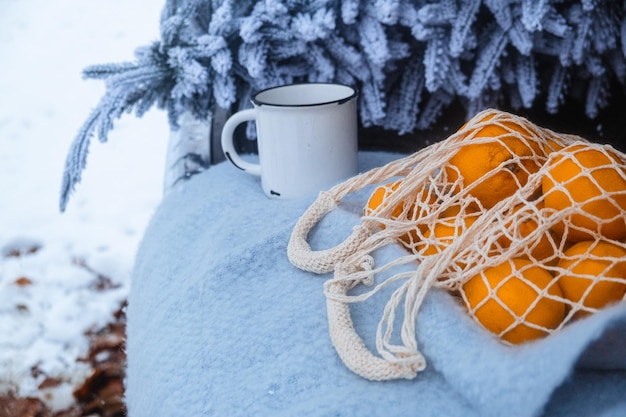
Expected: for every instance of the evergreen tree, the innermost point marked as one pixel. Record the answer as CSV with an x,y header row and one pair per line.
x,y
409,58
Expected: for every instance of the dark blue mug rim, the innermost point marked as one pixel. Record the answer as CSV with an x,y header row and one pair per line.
x,y
259,102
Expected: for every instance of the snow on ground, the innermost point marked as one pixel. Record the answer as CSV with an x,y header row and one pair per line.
x,y
44,45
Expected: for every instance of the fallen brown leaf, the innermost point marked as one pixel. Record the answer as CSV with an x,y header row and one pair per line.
x,y
100,395
20,247
12,406
23,282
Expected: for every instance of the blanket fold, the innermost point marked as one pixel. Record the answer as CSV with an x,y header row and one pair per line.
x,y
221,324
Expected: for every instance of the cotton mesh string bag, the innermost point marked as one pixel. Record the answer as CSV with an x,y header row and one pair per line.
x,y
524,226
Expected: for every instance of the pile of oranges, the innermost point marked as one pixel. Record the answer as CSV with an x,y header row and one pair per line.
x,y
532,223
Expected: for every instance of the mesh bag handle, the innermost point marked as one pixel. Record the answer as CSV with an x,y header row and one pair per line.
x,y
322,261
300,252
349,345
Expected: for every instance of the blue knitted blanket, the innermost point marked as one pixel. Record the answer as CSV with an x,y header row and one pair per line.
x,y
221,324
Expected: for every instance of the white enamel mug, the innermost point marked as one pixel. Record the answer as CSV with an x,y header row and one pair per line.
x,y
306,137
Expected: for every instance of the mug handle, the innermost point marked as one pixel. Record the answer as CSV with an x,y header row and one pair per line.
x,y
228,132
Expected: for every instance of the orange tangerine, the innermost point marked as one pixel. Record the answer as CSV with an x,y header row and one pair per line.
x,y
378,197
450,225
423,199
507,300
495,160
440,236
584,176
443,233
594,274
522,223
459,209
555,142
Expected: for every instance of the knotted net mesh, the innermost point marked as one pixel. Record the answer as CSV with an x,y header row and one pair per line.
x,y
525,226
